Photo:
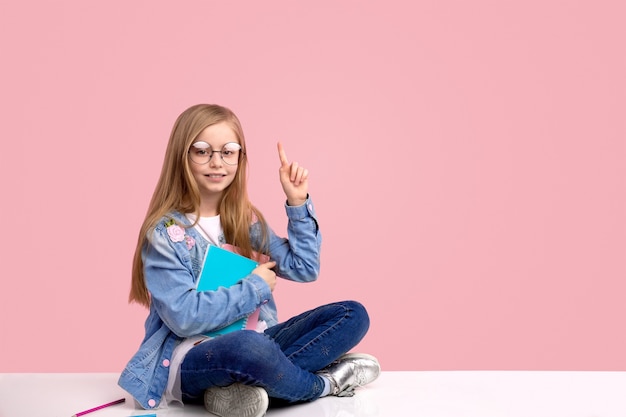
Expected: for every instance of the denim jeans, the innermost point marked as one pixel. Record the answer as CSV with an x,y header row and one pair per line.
x,y
283,360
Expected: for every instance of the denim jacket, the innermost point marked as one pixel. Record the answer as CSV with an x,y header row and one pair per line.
x,y
172,266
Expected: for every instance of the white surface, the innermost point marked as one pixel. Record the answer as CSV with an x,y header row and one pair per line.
x,y
428,394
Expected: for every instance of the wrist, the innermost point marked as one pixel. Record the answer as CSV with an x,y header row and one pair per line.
x,y
295,202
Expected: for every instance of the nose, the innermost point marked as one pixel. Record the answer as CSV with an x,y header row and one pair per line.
x,y
215,160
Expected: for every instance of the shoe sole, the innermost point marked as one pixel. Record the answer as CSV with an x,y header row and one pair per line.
x,y
236,400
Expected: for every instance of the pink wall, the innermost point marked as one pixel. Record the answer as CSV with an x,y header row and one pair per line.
x,y
467,162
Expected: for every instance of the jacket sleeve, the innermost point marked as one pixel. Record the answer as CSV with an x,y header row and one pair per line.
x,y
298,256
186,311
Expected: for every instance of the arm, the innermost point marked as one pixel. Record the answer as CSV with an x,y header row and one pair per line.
x,y
187,312
298,257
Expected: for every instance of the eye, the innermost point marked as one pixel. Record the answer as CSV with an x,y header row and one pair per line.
x,y
231,148
200,152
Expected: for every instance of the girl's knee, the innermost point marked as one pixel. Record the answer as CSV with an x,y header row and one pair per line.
x,y
358,310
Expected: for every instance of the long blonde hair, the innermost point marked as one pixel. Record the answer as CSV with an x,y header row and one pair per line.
x,y
177,190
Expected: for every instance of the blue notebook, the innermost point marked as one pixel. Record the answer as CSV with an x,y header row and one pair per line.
x,y
224,268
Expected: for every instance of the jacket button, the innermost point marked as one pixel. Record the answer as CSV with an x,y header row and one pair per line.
x,y
166,362
151,402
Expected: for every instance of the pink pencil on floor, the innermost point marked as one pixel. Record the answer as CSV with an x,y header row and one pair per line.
x,y
91,410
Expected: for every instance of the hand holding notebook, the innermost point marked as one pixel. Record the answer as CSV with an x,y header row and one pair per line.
x,y
224,267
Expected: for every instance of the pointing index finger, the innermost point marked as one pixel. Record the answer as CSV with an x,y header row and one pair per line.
x,y
282,155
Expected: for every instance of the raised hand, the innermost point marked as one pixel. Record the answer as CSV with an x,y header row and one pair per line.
x,y
293,178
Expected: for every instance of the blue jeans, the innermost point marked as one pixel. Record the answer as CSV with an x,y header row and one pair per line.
x,y
283,360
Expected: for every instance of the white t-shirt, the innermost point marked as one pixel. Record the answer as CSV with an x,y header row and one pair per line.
x,y
210,228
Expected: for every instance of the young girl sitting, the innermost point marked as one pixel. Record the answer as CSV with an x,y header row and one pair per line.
x,y
200,200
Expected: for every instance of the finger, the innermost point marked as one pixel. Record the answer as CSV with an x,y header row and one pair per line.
x,y
269,265
294,171
282,155
305,175
300,176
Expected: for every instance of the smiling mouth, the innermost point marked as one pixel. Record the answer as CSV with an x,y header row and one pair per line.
x,y
215,175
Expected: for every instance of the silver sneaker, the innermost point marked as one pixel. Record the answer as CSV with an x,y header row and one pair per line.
x,y
349,372
236,400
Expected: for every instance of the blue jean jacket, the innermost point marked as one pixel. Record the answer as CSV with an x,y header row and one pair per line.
x,y
172,266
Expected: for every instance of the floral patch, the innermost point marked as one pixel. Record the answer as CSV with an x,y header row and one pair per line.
x,y
189,241
177,234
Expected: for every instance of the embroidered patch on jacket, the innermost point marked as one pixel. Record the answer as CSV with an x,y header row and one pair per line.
x,y
177,234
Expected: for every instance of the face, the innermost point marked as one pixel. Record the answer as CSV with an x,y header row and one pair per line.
x,y
214,176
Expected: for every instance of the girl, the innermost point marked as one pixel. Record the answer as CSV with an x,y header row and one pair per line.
x,y
200,200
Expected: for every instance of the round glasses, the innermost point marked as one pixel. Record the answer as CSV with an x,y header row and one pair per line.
x,y
201,153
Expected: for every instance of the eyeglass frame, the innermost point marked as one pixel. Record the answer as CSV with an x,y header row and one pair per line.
x,y
240,150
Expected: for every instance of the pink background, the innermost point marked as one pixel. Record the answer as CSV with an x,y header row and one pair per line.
x,y
467,163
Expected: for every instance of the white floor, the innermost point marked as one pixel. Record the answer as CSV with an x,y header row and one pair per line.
x,y
428,394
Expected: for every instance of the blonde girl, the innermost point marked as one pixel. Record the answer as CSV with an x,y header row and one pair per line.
x,y
200,200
